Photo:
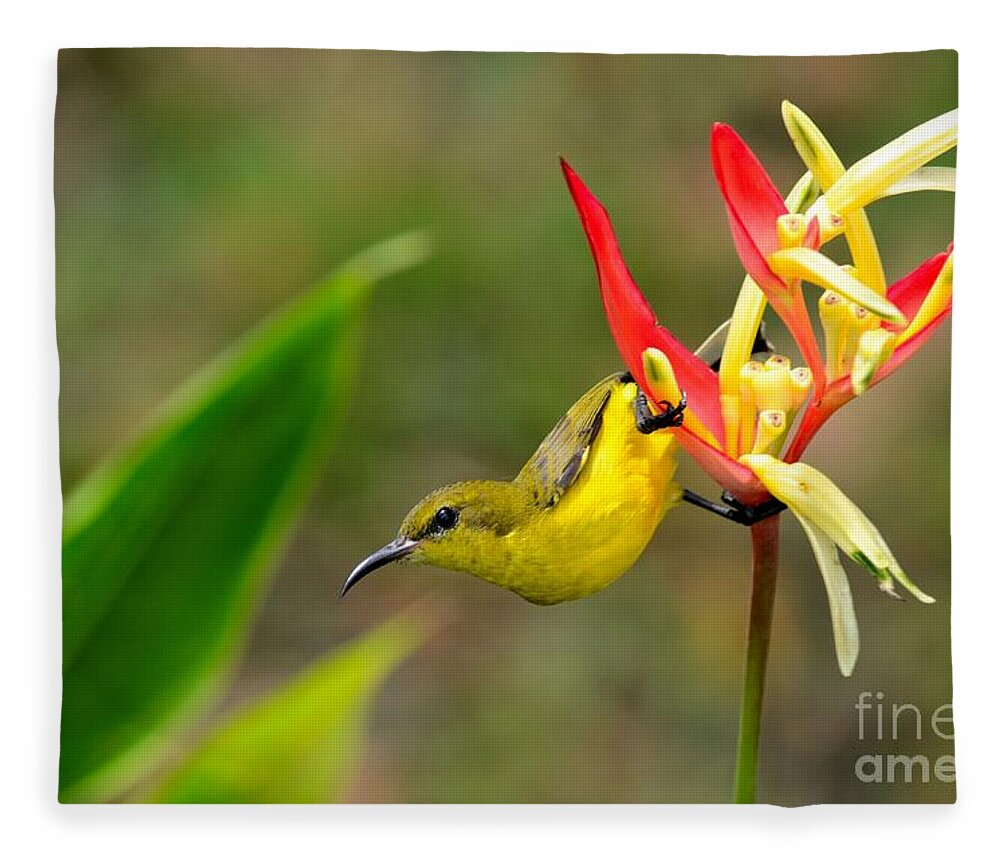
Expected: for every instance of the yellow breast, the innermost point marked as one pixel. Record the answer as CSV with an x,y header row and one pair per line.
x,y
604,521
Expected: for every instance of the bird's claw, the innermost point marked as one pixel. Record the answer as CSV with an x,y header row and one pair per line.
x,y
734,510
671,416
749,515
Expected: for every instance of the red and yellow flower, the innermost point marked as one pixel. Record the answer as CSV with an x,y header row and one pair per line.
x,y
739,421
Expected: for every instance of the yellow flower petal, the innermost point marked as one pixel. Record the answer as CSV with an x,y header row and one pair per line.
x,y
871,177
748,405
813,148
823,162
812,266
864,251
833,311
747,314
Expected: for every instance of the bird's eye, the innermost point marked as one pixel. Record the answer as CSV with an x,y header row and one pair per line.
x,y
445,518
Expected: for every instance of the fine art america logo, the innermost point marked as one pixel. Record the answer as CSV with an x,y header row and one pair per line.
x,y
879,720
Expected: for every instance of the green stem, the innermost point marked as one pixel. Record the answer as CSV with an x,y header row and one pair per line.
x,y
764,538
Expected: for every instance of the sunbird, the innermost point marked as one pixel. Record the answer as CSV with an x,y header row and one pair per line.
x,y
577,516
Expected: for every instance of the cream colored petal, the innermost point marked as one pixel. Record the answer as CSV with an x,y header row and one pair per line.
x,y
846,638
811,494
868,179
925,179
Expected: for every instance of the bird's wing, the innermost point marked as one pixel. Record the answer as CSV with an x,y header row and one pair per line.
x,y
556,464
711,350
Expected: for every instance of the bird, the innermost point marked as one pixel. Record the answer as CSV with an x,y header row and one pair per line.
x,y
576,517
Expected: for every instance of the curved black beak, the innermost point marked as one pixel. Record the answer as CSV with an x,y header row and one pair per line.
x,y
399,548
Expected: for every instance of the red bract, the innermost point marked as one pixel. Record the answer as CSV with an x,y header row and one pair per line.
x,y
632,320
754,206
908,294
635,329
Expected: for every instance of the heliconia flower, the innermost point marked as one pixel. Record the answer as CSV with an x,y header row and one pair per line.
x,y
924,297
705,434
861,347
831,520
776,259
865,340
738,420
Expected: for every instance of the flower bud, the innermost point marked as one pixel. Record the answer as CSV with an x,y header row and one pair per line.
x,y
801,382
663,385
660,377
833,312
773,385
858,321
791,230
830,223
875,347
772,427
748,403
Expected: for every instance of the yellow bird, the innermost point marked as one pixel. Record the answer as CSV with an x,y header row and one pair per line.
x,y
577,516
580,512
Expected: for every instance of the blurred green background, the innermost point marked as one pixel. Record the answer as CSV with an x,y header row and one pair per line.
x,y
197,190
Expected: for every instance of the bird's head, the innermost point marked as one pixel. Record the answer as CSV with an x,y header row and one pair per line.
x,y
459,527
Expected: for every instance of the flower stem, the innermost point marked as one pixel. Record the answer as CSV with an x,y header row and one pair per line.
x,y
764,538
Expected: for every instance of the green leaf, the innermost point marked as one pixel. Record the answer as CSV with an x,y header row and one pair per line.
x,y
166,547
301,743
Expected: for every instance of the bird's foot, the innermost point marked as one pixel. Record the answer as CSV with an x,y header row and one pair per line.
x,y
735,511
671,416
752,514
